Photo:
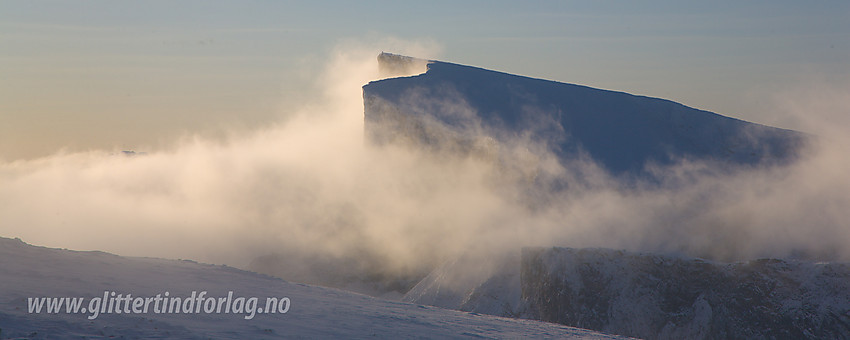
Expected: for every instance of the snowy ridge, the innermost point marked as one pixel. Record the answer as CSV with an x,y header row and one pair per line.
x,y
656,296
316,312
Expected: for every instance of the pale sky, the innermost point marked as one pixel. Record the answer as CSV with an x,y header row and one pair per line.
x,y
137,75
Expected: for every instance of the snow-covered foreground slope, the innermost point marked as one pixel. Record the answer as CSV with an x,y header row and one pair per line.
x,y
28,271
653,296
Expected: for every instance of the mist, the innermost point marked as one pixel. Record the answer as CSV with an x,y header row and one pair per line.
x,y
312,188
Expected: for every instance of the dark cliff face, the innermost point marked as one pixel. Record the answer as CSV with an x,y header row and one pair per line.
x,y
651,296
456,104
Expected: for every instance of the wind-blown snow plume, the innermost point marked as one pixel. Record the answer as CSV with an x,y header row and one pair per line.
x,y
311,189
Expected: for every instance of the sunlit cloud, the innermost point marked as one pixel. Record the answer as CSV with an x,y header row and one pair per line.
x,y
313,188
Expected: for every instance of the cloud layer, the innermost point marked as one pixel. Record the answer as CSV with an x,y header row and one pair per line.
x,y
311,187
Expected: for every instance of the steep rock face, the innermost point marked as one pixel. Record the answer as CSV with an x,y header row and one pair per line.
x,y
460,108
654,296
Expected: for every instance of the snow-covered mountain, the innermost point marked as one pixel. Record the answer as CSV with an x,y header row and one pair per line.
x,y
653,296
472,111
312,312
522,123
486,114
461,107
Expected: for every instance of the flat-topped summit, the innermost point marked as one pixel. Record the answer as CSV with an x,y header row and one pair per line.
x,y
457,104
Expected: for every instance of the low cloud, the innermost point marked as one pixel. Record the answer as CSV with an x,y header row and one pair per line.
x,y
312,188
